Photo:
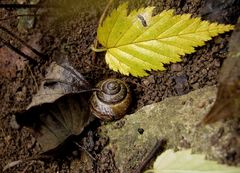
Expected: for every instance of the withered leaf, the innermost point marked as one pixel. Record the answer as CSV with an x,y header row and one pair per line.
x,y
60,108
59,81
58,121
227,103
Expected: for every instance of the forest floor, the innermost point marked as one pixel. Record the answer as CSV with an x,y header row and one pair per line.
x,y
70,35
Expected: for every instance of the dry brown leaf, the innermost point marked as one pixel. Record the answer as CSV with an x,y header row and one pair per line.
x,y
59,81
60,108
228,97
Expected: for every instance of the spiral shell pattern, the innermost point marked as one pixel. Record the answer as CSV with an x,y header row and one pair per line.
x,y
112,101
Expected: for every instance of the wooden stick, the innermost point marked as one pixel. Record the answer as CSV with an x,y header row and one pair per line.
x,y
23,42
157,146
19,15
27,6
31,60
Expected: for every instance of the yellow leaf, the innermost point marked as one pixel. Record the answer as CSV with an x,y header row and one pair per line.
x,y
139,42
185,162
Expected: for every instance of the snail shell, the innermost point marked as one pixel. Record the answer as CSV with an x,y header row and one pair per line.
x,y
112,101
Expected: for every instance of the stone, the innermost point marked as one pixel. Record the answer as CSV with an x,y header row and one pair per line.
x,y
176,120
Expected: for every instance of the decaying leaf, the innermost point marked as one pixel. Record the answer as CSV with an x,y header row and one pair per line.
x,y
59,81
139,42
228,97
185,162
60,120
60,108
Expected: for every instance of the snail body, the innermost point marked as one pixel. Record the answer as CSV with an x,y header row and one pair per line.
x,y
111,101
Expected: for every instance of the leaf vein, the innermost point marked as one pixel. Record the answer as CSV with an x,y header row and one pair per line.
x,y
113,27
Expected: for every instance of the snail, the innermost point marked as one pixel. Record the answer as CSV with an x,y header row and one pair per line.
x,y
111,101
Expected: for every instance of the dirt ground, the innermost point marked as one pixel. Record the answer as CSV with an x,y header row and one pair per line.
x,y
69,34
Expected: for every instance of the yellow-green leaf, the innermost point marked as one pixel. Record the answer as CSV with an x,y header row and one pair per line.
x,y
185,162
139,42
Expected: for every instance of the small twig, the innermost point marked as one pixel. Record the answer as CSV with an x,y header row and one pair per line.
x,y
23,42
17,162
9,45
12,164
152,153
84,149
26,6
72,92
19,15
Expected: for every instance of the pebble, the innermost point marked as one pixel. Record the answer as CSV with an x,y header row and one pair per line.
x,y
150,79
181,86
195,86
204,71
7,138
201,104
75,153
217,63
140,131
176,67
145,82
31,143
13,123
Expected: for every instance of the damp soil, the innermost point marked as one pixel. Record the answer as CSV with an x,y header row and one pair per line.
x,y
69,34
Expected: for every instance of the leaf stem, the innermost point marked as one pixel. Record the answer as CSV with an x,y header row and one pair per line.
x,y
98,49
